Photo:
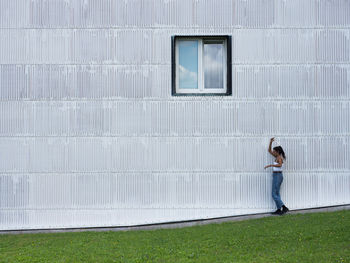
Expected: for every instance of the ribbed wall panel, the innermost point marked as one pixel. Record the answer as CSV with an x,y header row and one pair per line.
x,y
78,200
179,13
149,46
289,82
257,46
147,190
85,46
74,82
174,118
108,82
90,154
90,134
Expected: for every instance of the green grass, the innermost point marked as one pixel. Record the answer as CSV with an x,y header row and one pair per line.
x,y
317,237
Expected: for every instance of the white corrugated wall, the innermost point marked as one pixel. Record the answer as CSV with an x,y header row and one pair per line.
x,y
90,134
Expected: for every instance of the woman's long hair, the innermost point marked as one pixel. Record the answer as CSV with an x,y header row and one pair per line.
x,y
280,151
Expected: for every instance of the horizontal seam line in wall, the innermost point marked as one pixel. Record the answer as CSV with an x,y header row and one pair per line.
x,y
178,136
85,64
21,208
178,98
169,64
141,28
291,63
180,172
298,136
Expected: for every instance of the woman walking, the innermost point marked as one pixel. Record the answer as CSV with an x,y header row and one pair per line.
x,y
277,177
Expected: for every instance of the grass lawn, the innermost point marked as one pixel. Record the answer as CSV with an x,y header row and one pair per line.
x,y
316,237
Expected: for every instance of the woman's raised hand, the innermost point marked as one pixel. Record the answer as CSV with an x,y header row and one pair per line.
x,y
272,139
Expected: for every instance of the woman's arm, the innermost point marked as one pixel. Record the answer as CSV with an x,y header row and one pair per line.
x,y
279,161
270,151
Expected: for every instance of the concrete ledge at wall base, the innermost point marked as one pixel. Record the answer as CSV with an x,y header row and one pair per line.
x,y
178,224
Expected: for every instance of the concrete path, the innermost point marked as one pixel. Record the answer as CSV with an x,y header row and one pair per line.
x,y
170,225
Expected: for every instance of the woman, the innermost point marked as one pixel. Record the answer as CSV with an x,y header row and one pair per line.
x,y
277,177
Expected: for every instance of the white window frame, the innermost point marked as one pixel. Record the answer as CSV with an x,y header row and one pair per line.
x,y
201,84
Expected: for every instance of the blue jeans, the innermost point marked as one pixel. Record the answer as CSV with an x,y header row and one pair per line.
x,y
277,179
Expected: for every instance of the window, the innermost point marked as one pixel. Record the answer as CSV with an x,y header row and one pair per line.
x,y
201,65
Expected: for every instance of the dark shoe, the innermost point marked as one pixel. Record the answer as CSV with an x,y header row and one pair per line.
x,y
284,209
277,212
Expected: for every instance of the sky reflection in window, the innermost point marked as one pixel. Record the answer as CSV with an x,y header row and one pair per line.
x,y
213,66
188,64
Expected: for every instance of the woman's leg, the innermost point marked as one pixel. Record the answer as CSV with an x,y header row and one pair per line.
x,y
276,185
